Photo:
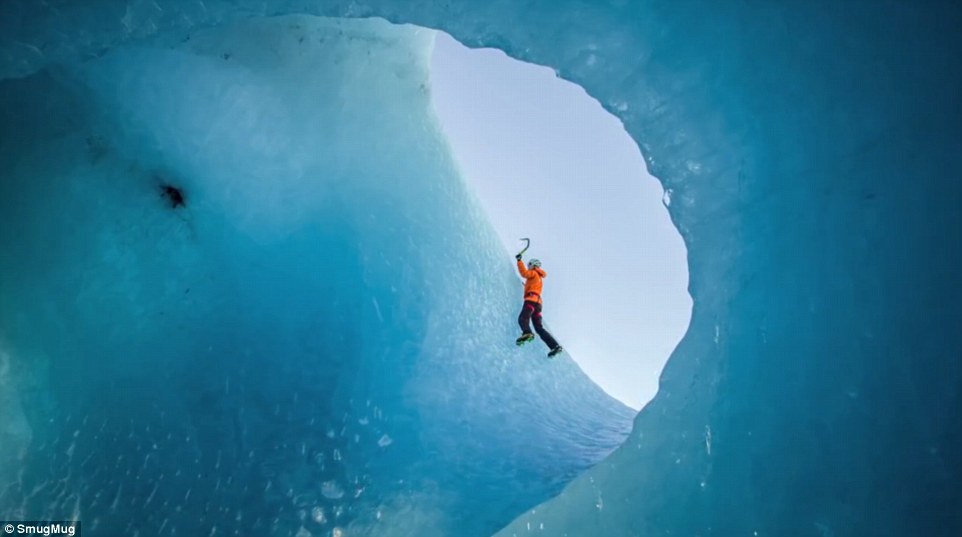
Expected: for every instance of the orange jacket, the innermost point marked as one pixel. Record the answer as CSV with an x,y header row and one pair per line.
x,y
532,282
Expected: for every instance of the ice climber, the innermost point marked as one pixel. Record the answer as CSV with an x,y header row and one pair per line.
x,y
532,306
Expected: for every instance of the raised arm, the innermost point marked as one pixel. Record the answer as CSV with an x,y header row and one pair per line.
x,y
524,272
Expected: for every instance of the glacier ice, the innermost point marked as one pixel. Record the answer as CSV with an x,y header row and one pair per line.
x,y
319,336
812,152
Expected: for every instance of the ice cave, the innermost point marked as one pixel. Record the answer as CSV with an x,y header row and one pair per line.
x,y
223,309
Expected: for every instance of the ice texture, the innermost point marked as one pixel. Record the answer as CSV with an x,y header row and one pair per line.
x,y
812,152
247,293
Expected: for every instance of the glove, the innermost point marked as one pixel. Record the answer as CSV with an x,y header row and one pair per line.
x,y
518,257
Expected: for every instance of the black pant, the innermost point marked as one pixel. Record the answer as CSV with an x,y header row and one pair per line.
x,y
533,310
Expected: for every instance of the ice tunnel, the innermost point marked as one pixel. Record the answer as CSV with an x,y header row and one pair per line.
x,y
243,292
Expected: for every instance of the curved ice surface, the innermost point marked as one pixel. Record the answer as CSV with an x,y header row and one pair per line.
x,y
821,217
321,336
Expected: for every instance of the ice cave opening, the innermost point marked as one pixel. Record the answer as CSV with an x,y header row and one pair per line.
x,y
546,160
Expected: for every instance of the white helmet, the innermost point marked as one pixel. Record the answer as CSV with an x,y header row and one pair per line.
x,y
534,263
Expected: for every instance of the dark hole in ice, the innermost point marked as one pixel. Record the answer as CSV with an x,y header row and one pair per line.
x,y
174,195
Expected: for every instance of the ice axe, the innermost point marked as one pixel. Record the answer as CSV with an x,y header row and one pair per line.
x,y
526,246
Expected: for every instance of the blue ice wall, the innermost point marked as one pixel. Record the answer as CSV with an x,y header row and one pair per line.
x,y
812,157
320,338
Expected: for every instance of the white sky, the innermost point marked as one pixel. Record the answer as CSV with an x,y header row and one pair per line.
x,y
547,162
